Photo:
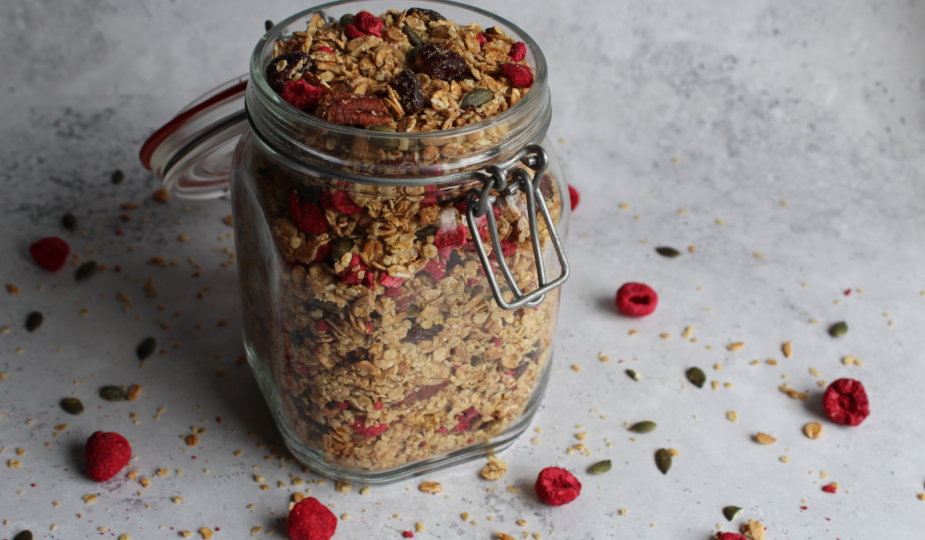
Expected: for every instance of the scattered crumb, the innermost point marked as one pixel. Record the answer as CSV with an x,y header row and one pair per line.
x,y
161,195
575,367
206,533
732,416
753,530
813,430
735,346
849,360
763,438
787,349
430,487
494,469
793,394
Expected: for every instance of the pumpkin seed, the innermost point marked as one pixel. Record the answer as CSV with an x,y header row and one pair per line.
x,y
838,329
112,393
476,97
413,36
146,348
34,320
86,271
424,232
663,460
267,25
69,222
72,405
696,376
633,374
117,176
645,426
413,311
732,512
24,535
600,467
666,251
341,245
345,19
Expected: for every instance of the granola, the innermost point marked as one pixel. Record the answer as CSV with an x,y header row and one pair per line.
x,y
368,316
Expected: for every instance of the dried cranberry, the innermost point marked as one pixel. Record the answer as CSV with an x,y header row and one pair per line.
x,y
636,299
359,426
311,520
556,486
426,15
409,91
50,253
519,74
339,201
308,217
573,196
286,67
845,402
518,51
442,63
301,95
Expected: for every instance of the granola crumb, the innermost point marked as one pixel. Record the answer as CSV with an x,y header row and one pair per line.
x,y
793,394
430,487
13,290
575,367
849,360
735,346
921,496
89,498
419,526
732,416
813,430
176,499
256,530
753,530
503,536
623,511
603,357
161,195
787,349
763,438
494,469
206,533
186,534
687,332
784,459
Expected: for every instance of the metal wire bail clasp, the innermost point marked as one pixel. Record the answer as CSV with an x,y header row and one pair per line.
x,y
479,203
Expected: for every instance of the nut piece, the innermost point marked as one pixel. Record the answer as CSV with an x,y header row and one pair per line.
x,y
430,487
764,438
348,108
813,430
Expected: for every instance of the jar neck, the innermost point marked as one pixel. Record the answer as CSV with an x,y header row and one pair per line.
x,y
377,157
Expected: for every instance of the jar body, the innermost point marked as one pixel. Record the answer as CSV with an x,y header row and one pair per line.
x,y
369,322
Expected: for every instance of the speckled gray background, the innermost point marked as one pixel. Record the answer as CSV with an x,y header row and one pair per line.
x,y
701,116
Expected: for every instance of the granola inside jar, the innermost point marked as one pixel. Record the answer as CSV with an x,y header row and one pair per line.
x,y
398,218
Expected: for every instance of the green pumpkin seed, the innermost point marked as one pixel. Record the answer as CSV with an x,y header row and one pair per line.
x,y
476,97
112,393
385,144
86,271
633,374
345,19
69,222
696,376
341,245
838,329
645,426
413,311
413,36
424,232
666,251
600,467
146,348
72,405
117,176
34,320
663,460
24,535
732,512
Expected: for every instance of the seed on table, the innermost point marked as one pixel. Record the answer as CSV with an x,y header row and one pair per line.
x,y
24,535
146,348
600,467
838,329
696,376
34,320
112,393
72,405
117,176
732,512
666,251
663,460
633,374
69,222
645,426
86,271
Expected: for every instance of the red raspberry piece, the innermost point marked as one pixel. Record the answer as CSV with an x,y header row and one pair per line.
x,y
519,74
353,32
324,48
518,51
830,488
323,253
436,268
365,24
300,94
390,281
450,238
573,196
50,253
482,38
556,486
107,454
351,274
636,299
359,426
407,534
464,420
730,536
322,326
307,216
311,520
339,201
845,402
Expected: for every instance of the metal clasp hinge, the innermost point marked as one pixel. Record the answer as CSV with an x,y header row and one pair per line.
x,y
479,203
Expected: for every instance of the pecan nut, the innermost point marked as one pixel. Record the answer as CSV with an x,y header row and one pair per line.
x,y
348,108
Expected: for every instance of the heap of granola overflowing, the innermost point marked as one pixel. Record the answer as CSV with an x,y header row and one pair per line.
x,y
374,322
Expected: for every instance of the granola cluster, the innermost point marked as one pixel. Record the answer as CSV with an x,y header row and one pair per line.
x,y
372,320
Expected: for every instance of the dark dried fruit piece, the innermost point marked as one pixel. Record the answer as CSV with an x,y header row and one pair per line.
x,y
72,405
34,320
146,348
442,63
286,67
476,97
409,91
349,108
267,25
426,15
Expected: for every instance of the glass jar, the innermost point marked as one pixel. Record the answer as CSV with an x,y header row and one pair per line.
x,y
396,294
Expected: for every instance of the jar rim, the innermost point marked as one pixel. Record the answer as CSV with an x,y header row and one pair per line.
x,y
276,33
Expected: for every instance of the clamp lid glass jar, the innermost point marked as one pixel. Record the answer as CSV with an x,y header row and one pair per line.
x,y
395,253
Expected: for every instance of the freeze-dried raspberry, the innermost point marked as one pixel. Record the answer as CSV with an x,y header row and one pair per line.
x,y
368,23
407,534
308,217
301,95
352,274
359,426
50,253
409,91
830,488
442,63
729,536
324,48
556,486
450,238
845,402
482,38
573,196
465,420
311,520
436,268
339,201
390,281
636,299
107,453
286,67
323,253
518,51
519,74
